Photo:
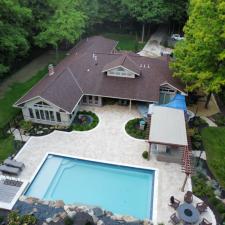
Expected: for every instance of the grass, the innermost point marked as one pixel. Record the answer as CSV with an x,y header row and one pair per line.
x,y
127,42
133,130
214,142
7,112
86,126
6,147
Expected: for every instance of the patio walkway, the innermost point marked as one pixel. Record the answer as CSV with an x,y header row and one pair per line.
x,y
108,142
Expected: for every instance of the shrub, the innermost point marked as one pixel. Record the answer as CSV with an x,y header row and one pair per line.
x,y
1,219
198,122
15,219
85,127
219,119
68,221
145,155
26,125
132,129
220,207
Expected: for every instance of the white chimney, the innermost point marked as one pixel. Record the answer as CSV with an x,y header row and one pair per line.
x,y
51,69
96,60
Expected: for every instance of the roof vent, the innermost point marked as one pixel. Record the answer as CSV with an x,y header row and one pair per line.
x,y
51,69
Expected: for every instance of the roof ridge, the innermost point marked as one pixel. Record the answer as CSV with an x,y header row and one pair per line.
x,y
74,78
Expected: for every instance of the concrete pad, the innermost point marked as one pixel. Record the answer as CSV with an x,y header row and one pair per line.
x,y
108,142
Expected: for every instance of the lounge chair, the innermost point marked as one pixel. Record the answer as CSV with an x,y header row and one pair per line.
x,y
201,207
188,197
205,222
10,170
174,219
14,163
175,204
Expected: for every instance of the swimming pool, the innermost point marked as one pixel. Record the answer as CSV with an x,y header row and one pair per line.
x,y
121,189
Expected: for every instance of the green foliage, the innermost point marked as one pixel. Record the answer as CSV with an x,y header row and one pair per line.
x,y
219,119
68,221
6,147
13,34
126,42
15,219
66,24
199,58
88,126
1,219
132,128
7,112
26,125
214,142
145,154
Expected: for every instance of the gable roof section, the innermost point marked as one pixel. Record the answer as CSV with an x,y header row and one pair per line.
x,y
125,61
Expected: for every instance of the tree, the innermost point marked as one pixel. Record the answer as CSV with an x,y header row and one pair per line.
x,y
149,11
66,24
13,35
199,59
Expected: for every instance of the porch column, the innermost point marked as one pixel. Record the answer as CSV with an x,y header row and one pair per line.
x,y
130,105
149,150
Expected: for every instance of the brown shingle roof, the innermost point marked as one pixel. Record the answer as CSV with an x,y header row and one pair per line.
x,y
78,74
125,61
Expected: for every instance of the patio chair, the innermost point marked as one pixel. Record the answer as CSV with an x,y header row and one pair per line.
x,y
10,170
188,197
201,207
14,163
205,222
174,219
174,203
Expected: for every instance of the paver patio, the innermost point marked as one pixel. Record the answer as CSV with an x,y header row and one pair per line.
x,y
108,142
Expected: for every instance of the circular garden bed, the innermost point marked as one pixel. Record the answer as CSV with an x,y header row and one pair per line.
x,y
136,128
85,120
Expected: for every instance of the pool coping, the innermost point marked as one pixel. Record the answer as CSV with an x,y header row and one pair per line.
x,y
156,173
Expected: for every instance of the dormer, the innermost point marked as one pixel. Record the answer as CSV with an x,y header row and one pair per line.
x,y
123,66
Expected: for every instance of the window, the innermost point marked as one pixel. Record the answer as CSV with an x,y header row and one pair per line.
x,y
47,115
31,113
52,117
96,100
85,99
42,114
90,99
37,114
58,116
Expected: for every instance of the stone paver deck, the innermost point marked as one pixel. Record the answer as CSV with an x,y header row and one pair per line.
x,y
108,142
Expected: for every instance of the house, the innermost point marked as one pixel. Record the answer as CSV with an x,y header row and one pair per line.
x,y
92,72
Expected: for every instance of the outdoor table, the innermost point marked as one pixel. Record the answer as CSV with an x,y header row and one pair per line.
x,y
188,213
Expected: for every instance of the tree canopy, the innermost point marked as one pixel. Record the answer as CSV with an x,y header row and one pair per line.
x,y
199,58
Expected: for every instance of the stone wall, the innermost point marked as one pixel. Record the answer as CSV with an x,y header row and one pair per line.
x,y
54,212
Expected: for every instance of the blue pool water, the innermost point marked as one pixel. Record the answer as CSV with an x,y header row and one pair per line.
x,y
122,190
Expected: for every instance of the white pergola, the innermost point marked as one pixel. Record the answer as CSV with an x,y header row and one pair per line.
x,y
167,126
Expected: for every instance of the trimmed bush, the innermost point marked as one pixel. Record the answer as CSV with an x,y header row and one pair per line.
x,y
132,128
15,219
145,155
85,126
68,221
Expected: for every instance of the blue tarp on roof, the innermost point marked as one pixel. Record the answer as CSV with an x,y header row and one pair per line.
x,y
178,102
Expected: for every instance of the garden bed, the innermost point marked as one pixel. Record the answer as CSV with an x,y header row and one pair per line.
x,y
218,119
85,120
133,129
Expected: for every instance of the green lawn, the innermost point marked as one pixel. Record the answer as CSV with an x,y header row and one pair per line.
x,y
6,148
214,143
7,112
127,42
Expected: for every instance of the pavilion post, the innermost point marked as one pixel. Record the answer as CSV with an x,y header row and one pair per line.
x,y
130,104
185,181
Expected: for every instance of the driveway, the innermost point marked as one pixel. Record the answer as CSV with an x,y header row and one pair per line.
x,y
153,48
108,142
